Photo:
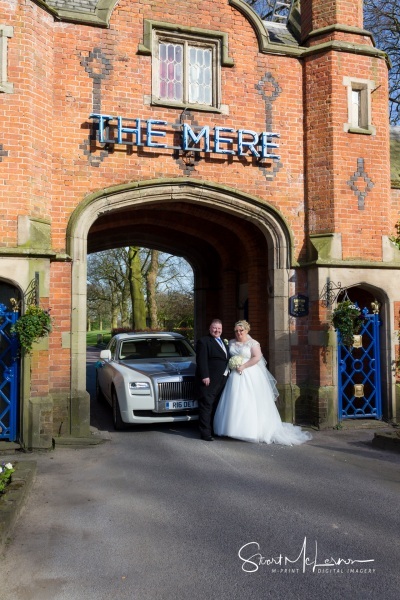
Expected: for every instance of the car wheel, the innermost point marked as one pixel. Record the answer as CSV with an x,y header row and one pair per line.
x,y
99,394
119,425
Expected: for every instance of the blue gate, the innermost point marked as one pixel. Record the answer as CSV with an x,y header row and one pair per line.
x,y
359,373
9,375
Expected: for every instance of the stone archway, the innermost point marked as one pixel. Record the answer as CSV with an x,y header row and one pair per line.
x,y
239,249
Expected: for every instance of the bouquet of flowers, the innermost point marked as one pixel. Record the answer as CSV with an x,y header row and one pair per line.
x,y
235,361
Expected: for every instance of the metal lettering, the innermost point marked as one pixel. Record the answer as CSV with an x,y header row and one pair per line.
x,y
150,132
250,144
103,123
265,145
258,145
218,140
135,130
187,132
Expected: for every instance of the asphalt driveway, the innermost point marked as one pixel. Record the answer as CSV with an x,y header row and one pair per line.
x,y
156,513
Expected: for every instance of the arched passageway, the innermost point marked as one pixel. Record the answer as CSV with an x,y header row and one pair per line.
x,y
237,246
226,254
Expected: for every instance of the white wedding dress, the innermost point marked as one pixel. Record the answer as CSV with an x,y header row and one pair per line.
x,y
247,410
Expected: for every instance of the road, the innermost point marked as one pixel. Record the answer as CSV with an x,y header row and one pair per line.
x,y
157,514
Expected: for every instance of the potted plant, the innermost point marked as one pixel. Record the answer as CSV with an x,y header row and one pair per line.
x,y
347,320
35,324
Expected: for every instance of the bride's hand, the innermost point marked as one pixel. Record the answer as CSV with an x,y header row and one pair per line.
x,y
239,370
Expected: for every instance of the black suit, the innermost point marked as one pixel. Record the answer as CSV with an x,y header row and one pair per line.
x,y
212,363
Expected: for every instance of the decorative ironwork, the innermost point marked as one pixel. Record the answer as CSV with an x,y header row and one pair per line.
x,y
359,380
330,292
30,296
9,375
186,159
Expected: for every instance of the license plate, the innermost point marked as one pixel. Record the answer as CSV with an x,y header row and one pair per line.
x,y
180,404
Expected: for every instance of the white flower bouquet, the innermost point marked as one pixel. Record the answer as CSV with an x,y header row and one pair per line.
x,y
235,361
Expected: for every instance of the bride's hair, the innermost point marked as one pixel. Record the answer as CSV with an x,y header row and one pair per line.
x,y
244,324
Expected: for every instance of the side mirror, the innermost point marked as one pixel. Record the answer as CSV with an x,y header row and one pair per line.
x,y
105,355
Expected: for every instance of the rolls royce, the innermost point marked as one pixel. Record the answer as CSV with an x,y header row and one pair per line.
x,y
148,378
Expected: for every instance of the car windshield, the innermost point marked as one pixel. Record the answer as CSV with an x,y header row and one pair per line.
x,y
145,348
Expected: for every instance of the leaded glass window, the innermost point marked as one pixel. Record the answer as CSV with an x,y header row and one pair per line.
x,y
187,72
171,71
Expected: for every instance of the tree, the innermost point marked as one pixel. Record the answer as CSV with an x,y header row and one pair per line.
x,y
169,276
176,308
151,287
135,277
98,307
124,283
382,18
107,287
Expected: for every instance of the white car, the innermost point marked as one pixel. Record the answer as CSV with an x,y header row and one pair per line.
x,y
148,378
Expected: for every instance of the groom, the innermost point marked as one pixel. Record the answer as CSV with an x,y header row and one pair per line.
x,y
211,375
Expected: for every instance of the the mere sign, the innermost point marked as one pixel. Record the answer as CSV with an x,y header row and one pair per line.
x,y
152,133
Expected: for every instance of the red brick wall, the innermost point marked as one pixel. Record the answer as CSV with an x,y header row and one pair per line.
x,y
316,14
27,171
54,94
395,209
47,174
123,93
333,154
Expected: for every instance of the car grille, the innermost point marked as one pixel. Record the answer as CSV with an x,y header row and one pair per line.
x,y
176,390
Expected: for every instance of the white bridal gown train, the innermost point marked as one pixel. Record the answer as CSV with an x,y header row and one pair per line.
x,y
247,411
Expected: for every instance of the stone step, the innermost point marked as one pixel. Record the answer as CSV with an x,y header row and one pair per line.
x,y
9,448
365,424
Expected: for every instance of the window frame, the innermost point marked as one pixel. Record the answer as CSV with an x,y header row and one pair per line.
x,y
155,31
361,123
6,32
186,43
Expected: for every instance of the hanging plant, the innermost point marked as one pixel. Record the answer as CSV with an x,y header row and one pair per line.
x,y
347,320
35,324
396,238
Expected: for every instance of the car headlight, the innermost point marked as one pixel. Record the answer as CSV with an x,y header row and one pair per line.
x,y
139,386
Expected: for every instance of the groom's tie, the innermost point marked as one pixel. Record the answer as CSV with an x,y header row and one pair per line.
x,y
221,343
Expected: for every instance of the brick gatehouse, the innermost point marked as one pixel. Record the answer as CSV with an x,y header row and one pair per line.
x,y
150,123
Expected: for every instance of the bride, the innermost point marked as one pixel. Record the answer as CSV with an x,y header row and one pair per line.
x,y
247,410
